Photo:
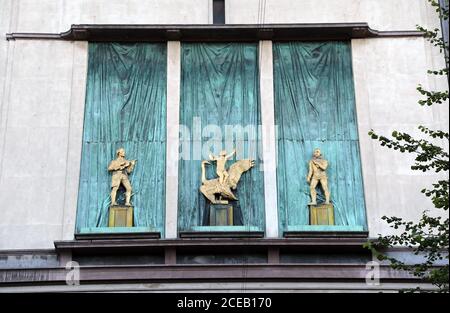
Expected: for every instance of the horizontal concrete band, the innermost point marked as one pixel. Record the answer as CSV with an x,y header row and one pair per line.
x,y
235,286
338,242
245,32
216,273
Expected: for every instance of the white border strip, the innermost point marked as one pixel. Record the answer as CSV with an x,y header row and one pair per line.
x,y
268,137
172,144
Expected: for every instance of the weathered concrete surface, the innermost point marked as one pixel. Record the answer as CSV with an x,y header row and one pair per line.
x,y
58,15
173,121
41,141
386,74
380,14
269,141
239,286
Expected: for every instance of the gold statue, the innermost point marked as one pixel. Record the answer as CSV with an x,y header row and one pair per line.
x,y
221,160
120,168
317,167
228,179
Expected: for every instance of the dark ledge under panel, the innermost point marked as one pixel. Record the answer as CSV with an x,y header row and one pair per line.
x,y
112,236
217,33
210,243
326,234
221,234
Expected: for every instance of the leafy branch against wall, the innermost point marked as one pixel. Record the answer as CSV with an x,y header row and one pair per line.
x,y
429,236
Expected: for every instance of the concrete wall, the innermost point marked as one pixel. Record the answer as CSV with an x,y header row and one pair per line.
x,y
386,73
42,119
380,14
238,287
42,86
56,16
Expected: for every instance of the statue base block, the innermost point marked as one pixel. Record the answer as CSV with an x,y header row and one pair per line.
x,y
221,215
120,216
321,214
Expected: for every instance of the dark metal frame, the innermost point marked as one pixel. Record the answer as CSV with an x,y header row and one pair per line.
x,y
212,33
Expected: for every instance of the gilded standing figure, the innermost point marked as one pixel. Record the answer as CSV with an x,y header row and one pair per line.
x,y
317,174
120,168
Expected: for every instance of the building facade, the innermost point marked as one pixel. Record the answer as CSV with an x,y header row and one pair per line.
x,y
164,79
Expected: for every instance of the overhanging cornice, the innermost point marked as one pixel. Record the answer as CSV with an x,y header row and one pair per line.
x,y
244,32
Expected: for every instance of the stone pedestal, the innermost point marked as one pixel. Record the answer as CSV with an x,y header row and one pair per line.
x,y
221,215
120,216
321,214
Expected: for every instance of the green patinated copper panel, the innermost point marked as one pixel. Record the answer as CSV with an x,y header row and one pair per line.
x,y
315,108
219,86
125,107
